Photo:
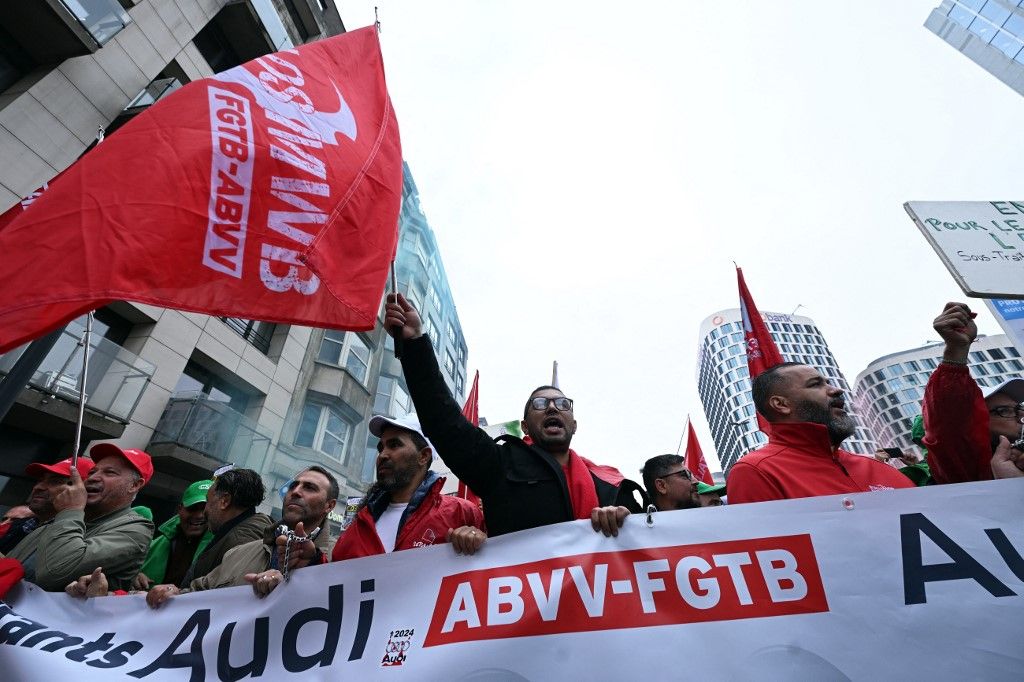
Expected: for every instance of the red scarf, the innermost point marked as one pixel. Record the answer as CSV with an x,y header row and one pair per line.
x,y
582,493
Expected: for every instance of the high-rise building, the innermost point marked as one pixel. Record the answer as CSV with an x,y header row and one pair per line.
x,y
888,392
421,279
193,390
724,383
988,32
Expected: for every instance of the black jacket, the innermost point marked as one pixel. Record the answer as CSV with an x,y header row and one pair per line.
x,y
521,485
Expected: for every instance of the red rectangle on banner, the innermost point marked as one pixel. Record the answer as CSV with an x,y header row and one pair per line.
x,y
756,578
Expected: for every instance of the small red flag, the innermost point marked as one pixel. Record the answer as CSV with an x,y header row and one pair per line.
x,y
695,462
471,411
762,353
270,191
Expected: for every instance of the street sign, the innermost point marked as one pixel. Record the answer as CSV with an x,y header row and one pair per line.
x,y
980,242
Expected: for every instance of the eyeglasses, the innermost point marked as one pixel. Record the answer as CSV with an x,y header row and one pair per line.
x,y
685,473
541,403
1006,411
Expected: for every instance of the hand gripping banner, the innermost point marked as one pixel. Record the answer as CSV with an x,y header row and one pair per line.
x,y
916,584
270,191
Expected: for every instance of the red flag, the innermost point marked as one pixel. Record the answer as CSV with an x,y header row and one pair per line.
x,y
695,461
471,411
270,191
762,353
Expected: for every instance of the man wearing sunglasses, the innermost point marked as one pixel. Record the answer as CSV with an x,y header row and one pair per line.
x,y
669,483
526,483
963,422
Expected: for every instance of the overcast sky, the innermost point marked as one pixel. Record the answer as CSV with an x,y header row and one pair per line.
x,y
591,174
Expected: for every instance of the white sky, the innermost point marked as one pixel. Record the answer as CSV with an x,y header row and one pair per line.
x,y
591,174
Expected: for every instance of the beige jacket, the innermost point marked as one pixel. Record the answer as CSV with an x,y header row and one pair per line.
x,y
59,552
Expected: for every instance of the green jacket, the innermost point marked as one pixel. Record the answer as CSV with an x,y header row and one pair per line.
x,y
155,565
61,551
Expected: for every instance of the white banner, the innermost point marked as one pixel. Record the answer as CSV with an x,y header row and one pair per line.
x,y
906,584
981,243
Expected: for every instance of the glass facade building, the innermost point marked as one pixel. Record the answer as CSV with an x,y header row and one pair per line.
x,y
988,32
888,393
724,383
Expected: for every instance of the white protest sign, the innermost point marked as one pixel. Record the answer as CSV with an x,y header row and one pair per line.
x,y
981,243
918,584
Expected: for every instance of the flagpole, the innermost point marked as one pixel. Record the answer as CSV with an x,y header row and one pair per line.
x,y
397,330
86,341
683,436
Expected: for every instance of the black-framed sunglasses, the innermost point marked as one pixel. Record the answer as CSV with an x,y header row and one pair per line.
x,y
541,403
1007,411
685,473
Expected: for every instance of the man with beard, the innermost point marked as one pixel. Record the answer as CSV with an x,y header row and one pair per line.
x,y
50,480
523,483
94,525
405,508
669,484
802,457
311,496
964,423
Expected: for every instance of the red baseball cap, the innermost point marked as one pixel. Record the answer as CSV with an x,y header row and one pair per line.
x,y
139,460
62,468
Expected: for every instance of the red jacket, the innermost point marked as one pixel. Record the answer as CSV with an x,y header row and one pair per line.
x,y
956,427
426,524
798,461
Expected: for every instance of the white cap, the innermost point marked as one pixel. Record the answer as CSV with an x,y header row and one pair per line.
x,y
1011,387
409,422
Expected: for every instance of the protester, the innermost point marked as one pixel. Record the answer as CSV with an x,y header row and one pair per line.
x,y
15,519
93,525
802,458
405,508
522,483
962,422
232,517
50,480
669,483
711,495
311,496
178,541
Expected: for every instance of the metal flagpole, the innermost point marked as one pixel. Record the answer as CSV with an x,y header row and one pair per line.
x,y
86,341
394,290
683,436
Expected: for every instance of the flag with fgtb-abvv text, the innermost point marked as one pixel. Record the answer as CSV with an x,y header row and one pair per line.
x,y
270,191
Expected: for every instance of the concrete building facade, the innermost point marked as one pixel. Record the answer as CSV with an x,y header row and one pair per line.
x,y
889,391
988,32
193,390
723,381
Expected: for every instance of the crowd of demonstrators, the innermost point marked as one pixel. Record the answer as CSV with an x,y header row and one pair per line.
x,y
92,524
523,483
963,423
178,541
808,422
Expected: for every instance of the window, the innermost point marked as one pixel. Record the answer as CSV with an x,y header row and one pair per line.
x,y
257,333
348,350
196,379
997,354
430,328
451,334
449,363
323,428
391,398
435,300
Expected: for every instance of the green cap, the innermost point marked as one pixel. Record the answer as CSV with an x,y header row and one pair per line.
x,y
704,488
195,493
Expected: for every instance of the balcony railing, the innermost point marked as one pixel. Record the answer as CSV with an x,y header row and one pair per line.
x,y
103,19
116,377
212,428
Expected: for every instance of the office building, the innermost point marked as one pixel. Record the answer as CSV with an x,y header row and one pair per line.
x,y
988,32
193,390
724,383
889,391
